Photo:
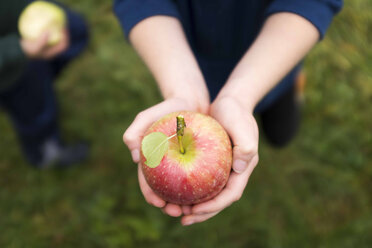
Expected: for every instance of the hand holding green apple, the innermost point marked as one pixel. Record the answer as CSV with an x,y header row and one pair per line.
x,y
40,17
42,26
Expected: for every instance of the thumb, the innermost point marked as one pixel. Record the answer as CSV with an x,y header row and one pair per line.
x,y
242,156
134,134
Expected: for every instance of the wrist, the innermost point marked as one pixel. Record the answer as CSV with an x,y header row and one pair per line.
x,y
193,103
193,92
242,93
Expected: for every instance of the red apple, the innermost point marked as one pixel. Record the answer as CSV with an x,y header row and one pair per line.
x,y
199,173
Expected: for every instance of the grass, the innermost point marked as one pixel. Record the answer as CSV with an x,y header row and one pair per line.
x,y
315,193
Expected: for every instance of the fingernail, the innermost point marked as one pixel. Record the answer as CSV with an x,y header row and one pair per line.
x,y
135,155
239,166
188,223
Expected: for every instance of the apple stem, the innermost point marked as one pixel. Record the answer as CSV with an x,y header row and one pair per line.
x,y
180,131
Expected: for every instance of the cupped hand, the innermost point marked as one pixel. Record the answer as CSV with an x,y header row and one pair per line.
x,y
39,49
134,134
241,126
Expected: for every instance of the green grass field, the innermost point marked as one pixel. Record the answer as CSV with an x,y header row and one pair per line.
x,y
315,193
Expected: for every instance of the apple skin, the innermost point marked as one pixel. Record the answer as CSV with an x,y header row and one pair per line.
x,y
39,17
202,171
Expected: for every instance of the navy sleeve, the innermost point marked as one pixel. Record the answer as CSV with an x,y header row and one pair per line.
x,y
12,59
318,12
131,12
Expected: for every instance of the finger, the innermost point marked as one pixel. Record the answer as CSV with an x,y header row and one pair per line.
x,y
52,51
133,135
173,210
192,219
243,130
230,194
186,210
150,196
66,37
245,144
244,136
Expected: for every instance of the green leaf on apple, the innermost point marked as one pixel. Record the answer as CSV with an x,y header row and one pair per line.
x,y
154,147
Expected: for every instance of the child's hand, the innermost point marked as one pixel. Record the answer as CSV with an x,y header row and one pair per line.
x,y
133,136
39,49
242,128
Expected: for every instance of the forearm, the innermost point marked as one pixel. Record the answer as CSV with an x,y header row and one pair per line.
x,y
162,44
283,41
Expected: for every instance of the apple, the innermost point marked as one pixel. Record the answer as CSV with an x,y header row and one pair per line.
x,y
197,163
39,17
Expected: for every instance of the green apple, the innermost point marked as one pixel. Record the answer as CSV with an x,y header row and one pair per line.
x,y
39,17
197,159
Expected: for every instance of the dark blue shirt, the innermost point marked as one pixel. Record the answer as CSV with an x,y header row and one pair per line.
x,y
221,31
